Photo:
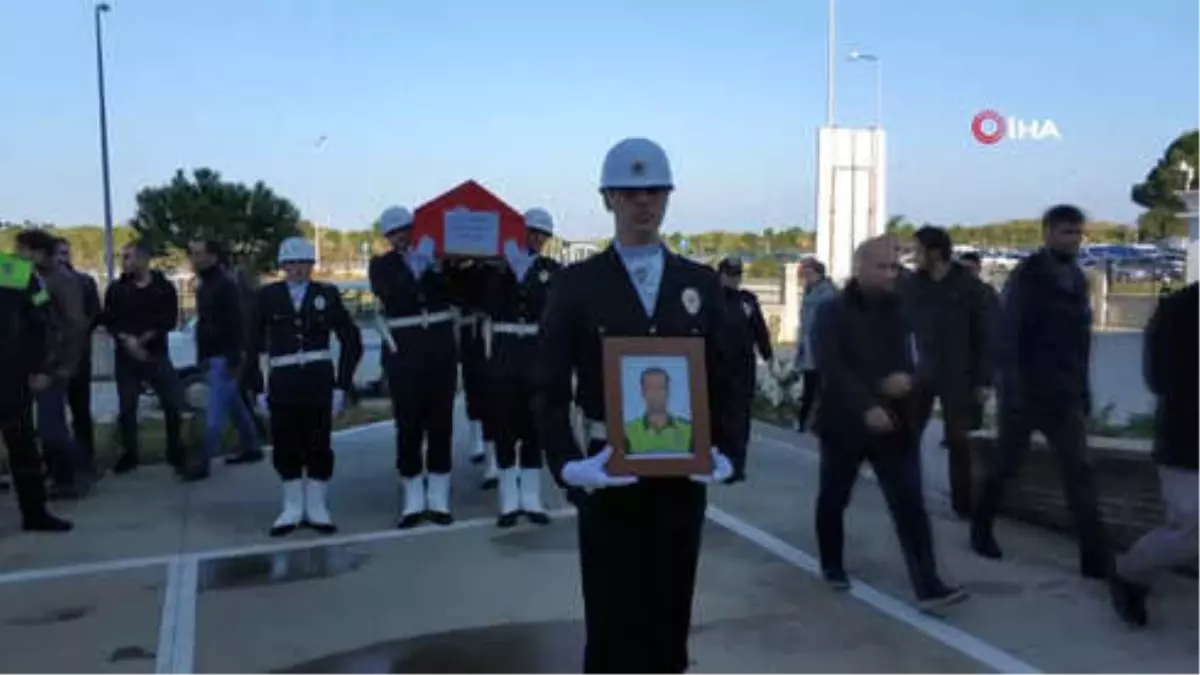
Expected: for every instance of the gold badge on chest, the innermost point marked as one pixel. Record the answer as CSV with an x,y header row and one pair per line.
x,y
691,300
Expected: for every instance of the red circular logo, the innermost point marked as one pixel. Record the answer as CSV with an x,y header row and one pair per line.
x,y
988,127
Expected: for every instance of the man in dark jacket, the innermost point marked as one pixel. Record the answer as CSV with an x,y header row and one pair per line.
x,y
1042,350
974,265
79,389
140,309
949,312
220,348
1170,364
747,332
865,355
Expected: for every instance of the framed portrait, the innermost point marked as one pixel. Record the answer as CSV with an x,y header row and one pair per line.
x,y
656,404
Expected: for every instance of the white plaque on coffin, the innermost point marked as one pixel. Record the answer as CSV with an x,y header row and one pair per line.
x,y
467,232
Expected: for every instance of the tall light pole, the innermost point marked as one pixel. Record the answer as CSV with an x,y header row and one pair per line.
x,y
101,8
830,61
875,59
319,145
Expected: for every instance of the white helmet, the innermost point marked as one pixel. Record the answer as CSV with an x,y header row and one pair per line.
x,y
296,249
394,218
539,219
636,163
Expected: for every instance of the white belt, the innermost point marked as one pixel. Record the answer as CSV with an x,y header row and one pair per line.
x,y
521,329
423,319
300,358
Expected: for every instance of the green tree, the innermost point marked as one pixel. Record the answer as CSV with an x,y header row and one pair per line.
x,y
1174,172
250,221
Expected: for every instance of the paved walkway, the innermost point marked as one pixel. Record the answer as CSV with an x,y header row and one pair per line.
x,y
166,578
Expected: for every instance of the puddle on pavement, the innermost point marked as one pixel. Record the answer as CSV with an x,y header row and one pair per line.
x,y
543,647
52,616
280,567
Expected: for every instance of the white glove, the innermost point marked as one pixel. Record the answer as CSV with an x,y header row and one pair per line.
x,y
261,401
722,469
339,402
589,473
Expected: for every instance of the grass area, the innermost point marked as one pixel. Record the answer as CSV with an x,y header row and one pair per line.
x,y
152,434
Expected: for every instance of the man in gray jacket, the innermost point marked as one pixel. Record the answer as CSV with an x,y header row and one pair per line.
x,y
818,289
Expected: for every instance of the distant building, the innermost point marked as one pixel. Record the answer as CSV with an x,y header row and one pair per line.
x,y
575,251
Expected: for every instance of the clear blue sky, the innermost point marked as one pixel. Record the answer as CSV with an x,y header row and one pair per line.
x,y
527,95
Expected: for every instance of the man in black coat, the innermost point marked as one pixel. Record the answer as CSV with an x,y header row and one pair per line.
x,y
220,351
1043,351
866,355
747,332
1170,365
141,308
949,310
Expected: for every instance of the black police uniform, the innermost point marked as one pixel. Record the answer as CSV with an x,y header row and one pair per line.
x,y
23,335
747,331
638,545
468,280
423,372
515,309
301,378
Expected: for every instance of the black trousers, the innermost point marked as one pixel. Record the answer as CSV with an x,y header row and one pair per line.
x,y
423,407
474,373
897,464
79,401
511,402
956,421
301,436
17,429
160,375
810,384
1065,432
638,551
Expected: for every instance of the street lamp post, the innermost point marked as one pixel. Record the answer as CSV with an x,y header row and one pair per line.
x,y
830,62
319,145
101,8
873,58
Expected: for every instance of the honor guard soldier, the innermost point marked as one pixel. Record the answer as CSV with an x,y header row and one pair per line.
x,y
421,364
639,539
516,298
747,332
23,305
292,323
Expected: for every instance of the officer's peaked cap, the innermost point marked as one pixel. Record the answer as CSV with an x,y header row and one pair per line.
x,y
394,218
539,219
296,249
636,163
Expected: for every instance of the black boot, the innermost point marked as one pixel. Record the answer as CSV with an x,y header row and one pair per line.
x,y
1129,600
983,542
44,521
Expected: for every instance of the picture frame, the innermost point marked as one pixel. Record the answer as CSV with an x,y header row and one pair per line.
x,y
656,406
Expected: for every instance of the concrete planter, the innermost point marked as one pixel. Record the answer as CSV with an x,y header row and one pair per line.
x,y
1126,480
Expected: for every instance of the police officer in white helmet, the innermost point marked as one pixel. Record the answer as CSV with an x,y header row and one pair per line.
x,y
304,392
421,366
514,300
639,538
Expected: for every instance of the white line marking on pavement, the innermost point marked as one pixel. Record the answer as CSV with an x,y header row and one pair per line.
x,y
177,625
254,549
952,637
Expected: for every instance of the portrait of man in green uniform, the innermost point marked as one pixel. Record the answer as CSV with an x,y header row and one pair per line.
x,y
656,431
